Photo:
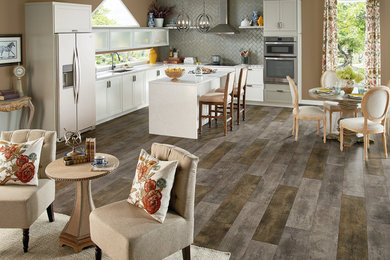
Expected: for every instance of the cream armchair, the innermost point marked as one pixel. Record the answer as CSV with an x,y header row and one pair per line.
x,y
22,205
124,231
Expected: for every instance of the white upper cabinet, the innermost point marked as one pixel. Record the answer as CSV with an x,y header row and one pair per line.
x,y
120,39
102,40
115,39
71,18
280,17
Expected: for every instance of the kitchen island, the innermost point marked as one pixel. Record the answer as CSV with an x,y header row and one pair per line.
x,y
173,106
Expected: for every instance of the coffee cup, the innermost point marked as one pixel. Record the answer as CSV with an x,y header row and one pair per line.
x,y
99,160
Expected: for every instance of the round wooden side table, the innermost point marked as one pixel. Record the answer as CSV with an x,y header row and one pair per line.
x,y
76,233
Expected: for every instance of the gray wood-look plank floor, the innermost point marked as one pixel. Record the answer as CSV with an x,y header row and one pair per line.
x,y
260,194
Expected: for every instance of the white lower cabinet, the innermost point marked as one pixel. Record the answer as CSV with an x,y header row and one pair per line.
x,y
119,95
255,85
108,98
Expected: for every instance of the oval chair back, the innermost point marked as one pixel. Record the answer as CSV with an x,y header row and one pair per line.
x,y
294,94
229,85
329,79
375,104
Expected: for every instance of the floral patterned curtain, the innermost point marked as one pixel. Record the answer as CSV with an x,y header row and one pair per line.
x,y
329,48
373,44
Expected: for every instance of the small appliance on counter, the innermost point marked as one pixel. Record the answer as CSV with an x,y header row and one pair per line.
x,y
190,60
216,60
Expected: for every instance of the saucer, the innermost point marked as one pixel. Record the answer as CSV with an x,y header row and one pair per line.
x,y
94,164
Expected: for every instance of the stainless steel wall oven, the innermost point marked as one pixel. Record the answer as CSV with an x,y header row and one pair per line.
x,y
280,59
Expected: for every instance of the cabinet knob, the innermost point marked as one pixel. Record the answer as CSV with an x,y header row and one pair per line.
x,y
134,78
109,84
158,73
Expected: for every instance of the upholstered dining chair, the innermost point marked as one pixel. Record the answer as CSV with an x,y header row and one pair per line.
x,y
388,115
375,105
239,94
219,100
305,112
124,231
328,80
21,205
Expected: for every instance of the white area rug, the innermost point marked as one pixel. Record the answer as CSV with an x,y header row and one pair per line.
x,y
44,244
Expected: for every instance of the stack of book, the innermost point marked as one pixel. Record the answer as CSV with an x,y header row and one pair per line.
x,y
75,159
90,149
8,94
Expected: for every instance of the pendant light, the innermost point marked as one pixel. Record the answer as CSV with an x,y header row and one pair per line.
x,y
183,20
204,21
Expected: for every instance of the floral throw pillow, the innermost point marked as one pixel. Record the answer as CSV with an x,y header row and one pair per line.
x,y
152,185
19,162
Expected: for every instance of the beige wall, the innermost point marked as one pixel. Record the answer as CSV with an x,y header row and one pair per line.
x,y
12,22
312,22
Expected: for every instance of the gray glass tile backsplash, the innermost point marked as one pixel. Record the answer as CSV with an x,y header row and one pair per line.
x,y
203,46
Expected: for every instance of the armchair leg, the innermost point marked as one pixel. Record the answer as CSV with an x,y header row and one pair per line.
x,y
50,213
98,253
26,232
187,253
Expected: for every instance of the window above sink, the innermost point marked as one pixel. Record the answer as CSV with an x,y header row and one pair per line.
x,y
122,61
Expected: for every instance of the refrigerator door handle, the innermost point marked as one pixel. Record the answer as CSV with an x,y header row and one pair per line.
x,y
76,74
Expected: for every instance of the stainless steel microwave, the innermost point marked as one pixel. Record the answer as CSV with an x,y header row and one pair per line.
x,y
280,47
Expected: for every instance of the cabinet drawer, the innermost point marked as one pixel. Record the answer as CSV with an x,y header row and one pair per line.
x,y
277,96
255,93
72,18
255,77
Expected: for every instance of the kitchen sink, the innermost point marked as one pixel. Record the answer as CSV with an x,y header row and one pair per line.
x,y
121,70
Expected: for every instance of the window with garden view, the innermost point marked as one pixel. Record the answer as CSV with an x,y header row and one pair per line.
x,y
351,23
115,13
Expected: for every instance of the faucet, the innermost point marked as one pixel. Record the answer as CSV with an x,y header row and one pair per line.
x,y
112,60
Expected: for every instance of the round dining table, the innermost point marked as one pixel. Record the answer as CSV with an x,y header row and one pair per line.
x,y
348,106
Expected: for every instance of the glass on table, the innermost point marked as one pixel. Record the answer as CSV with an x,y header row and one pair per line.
x,y
337,88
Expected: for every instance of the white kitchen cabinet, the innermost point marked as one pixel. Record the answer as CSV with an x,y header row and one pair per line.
x,y
160,37
71,18
255,85
108,97
121,39
101,100
139,92
127,92
102,40
280,17
142,38
114,96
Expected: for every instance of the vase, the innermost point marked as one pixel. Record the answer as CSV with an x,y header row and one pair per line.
x,y
151,20
152,56
348,86
255,17
159,22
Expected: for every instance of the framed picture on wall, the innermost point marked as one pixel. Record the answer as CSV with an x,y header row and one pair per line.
x,y
10,49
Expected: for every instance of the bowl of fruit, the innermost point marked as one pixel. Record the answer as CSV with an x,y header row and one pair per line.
x,y
175,73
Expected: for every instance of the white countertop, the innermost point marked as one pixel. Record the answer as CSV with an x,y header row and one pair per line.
x,y
139,68
191,79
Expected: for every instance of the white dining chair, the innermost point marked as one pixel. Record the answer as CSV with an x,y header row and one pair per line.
x,y
375,105
329,79
388,115
305,112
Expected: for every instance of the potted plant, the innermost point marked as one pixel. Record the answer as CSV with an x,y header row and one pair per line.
x,y
160,12
349,77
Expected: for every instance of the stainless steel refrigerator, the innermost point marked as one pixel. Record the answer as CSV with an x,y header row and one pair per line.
x,y
61,66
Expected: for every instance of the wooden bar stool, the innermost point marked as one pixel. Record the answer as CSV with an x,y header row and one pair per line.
x,y
217,99
239,94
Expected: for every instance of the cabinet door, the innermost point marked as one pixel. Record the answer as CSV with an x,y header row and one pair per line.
x,y
102,40
127,92
160,38
139,92
120,39
271,15
255,93
142,38
101,99
288,15
114,96
72,18
255,77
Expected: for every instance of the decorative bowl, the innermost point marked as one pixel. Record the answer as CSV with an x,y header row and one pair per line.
x,y
174,74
